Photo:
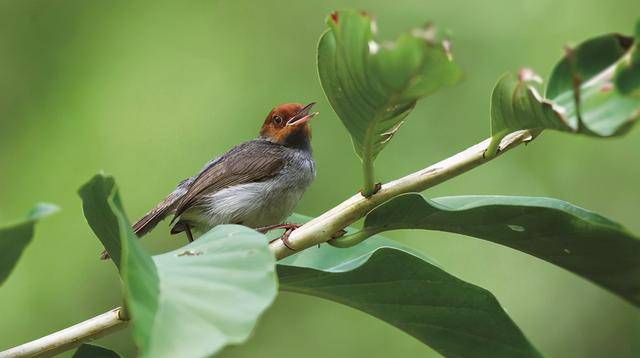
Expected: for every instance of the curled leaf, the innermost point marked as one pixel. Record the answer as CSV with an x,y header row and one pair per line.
x,y
15,237
373,85
593,90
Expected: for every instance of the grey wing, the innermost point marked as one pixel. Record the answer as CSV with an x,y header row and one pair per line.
x,y
158,213
162,210
249,162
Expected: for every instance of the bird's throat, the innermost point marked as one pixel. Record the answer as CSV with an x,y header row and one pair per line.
x,y
300,139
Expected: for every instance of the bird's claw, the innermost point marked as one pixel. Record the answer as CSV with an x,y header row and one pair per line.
x,y
288,227
285,238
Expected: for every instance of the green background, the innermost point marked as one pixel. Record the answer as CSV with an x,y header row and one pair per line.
x,y
150,90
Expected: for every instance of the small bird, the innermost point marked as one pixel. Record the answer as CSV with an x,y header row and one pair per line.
x,y
257,183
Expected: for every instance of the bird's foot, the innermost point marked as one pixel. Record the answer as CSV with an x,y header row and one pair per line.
x,y
288,229
285,238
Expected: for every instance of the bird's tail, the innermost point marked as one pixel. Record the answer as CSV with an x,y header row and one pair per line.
x,y
153,217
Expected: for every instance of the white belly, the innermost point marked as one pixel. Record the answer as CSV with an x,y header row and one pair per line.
x,y
254,205
257,204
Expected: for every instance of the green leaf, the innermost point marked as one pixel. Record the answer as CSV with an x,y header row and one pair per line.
x,y
103,210
15,237
100,215
575,239
192,301
594,90
628,78
516,104
409,292
372,85
93,351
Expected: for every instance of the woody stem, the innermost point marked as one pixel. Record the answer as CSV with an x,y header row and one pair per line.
x,y
71,337
322,228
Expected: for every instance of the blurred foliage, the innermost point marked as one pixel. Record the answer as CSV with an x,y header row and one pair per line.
x,y
150,91
14,237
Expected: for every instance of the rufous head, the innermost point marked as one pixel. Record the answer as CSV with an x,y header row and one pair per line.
x,y
288,125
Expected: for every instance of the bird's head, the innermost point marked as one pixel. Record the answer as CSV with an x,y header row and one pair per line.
x,y
288,125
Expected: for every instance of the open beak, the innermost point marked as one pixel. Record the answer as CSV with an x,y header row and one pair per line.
x,y
303,116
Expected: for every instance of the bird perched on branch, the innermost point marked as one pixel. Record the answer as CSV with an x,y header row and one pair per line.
x,y
257,183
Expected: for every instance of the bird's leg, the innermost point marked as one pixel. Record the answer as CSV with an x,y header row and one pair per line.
x,y
187,230
286,226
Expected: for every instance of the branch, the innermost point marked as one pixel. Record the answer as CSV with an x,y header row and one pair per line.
x,y
314,232
322,228
71,337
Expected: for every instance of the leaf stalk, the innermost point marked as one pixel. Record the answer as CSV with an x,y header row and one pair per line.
x,y
368,175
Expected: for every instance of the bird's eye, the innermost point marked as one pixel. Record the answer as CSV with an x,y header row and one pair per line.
x,y
277,119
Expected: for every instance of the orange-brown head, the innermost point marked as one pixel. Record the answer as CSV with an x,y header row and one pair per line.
x,y
288,124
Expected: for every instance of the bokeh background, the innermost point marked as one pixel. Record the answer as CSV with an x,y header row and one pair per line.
x,y
150,90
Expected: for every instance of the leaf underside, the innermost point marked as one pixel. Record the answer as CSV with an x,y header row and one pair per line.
x,y
192,301
575,239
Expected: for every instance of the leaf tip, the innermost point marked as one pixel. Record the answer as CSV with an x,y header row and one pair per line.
x,y
42,210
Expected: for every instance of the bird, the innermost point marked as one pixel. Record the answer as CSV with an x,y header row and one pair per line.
x,y
257,183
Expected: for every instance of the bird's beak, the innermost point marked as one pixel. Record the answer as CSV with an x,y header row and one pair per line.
x,y
303,116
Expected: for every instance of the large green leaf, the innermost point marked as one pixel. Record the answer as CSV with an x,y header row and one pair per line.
x,y
408,291
373,85
326,258
93,351
14,237
575,239
192,301
593,90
